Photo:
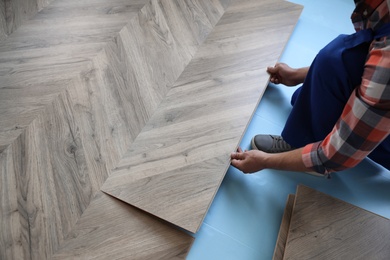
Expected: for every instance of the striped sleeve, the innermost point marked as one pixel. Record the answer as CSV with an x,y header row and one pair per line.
x,y
364,123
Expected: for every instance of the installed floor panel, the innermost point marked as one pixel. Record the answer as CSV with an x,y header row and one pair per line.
x,y
245,216
82,80
14,13
323,227
111,229
78,82
176,164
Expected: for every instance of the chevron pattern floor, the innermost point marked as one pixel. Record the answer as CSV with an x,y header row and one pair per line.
x,y
144,99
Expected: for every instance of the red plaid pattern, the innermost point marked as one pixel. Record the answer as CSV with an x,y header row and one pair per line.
x,y
365,121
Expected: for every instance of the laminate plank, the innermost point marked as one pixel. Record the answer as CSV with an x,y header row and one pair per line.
x,y
71,24
50,51
174,150
10,244
14,13
77,139
323,227
130,90
176,163
24,56
19,106
284,227
73,98
3,27
111,229
18,11
47,182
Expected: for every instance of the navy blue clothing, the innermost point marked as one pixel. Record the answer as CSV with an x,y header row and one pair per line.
x,y
335,72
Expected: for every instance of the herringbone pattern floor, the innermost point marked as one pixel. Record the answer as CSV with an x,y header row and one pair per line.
x,y
177,162
158,91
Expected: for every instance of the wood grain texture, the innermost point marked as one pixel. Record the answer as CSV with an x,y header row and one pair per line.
x,y
3,25
323,227
16,12
174,168
175,165
110,229
45,185
77,85
84,81
284,228
38,58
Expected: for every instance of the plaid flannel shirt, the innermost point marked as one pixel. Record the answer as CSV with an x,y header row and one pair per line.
x,y
365,120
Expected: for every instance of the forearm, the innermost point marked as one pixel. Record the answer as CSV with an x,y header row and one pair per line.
x,y
288,161
301,74
255,160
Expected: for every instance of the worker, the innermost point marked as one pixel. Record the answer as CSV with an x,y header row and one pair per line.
x,y
341,113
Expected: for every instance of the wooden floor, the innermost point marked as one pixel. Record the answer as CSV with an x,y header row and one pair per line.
x,y
284,228
175,165
145,97
322,227
15,13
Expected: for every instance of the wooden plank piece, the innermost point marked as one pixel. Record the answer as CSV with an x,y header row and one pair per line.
x,y
284,227
14,13
74,98
40,59
111,229
176,163
323,227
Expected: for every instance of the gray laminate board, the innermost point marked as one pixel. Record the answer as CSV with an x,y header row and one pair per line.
x,y
39,59
16,12
323,227
45,184
111,229
77,85
175,165
3,25
284,227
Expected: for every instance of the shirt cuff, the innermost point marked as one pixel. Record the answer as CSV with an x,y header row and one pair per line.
x,y
311,159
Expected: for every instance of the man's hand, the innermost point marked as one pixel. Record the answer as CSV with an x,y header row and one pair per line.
x,y
254,160
281,73
248,161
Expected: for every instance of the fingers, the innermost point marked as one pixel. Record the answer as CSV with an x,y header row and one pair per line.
x,y
273,71
236,163
238,159
239,164
248,161
274,80
237,155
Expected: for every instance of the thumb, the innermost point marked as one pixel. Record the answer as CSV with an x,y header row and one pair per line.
x,y
237,156
272,70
